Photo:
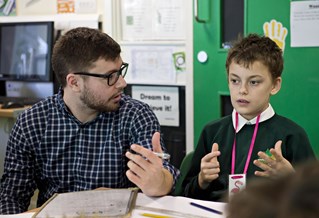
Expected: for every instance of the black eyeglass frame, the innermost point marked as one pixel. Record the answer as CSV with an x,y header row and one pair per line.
x,y
121,72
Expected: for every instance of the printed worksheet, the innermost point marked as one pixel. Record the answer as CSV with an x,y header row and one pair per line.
x,y
95,203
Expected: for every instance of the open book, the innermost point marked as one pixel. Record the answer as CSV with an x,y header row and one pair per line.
x,y
90,204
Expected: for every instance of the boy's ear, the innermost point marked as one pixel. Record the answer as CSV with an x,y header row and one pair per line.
x,y
276,86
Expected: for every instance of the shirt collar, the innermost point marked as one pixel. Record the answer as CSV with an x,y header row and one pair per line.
x,y
265,115
60,101
63,107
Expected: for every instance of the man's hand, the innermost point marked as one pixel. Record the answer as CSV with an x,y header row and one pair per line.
x,y
146,169
273,167
209,167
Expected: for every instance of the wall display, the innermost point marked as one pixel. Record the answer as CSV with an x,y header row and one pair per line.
x,y
155,64
153,38
65,6
162,100
277,32
7,7
304,23
31,7
152,20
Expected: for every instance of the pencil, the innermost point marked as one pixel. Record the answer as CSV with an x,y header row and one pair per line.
x,y
164,156
206,208
154,215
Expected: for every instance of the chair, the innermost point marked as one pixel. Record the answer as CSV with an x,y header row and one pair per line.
x,y
185,165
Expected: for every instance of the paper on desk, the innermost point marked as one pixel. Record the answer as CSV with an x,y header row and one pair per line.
x,y
21,215
175,204
96,203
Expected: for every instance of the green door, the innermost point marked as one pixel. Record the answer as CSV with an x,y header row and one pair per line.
x,y
209,76
298,97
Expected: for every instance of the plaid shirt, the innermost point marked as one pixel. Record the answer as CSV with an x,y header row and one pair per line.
x,y
51,150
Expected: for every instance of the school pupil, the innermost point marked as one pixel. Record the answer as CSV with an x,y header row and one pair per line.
x,y
237,144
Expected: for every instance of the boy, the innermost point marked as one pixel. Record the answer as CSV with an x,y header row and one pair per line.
x,y
236,144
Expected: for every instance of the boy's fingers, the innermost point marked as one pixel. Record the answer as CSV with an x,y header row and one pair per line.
x,y
277,151
215,149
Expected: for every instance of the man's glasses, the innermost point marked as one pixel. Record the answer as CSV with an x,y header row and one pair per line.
x,y
111,78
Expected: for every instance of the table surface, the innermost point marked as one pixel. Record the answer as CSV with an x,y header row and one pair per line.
x,y
166,207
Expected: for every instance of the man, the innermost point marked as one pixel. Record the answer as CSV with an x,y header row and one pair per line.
x,y
87,136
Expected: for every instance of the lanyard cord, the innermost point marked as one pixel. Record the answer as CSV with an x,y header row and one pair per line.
x,y
250,148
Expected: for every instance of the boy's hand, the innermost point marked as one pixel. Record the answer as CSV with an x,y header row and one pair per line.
x,y
146,169
209,167
275,166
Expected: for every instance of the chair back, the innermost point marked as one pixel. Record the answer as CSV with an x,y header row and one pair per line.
x,y
185,165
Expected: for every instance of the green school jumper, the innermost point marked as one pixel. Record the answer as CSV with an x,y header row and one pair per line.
x,y
296,148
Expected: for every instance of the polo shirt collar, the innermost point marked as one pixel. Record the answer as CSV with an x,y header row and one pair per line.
x,y
265,115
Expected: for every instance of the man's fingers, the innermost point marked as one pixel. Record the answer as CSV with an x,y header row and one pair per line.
x,y
156,142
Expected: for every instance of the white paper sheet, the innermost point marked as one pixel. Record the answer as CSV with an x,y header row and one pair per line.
x,y
152,20
164,101
97,203
304,23
153,65
177,204
21,215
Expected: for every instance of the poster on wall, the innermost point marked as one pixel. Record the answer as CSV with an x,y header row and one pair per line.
x,y
277,32
65,6
304,23
153,66
163,100
152,20
7,8
36,7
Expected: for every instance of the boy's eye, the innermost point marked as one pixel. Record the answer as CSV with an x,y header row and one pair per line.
x,y
254,82
234,81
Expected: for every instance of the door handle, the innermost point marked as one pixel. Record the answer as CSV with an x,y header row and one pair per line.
x,y
199,20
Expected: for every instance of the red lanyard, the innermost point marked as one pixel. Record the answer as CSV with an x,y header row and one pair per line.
x,y
250,148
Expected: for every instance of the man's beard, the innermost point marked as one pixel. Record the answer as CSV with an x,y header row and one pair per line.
x,y
89,99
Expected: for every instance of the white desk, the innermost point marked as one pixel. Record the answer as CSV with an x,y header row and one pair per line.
x,y
175,204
